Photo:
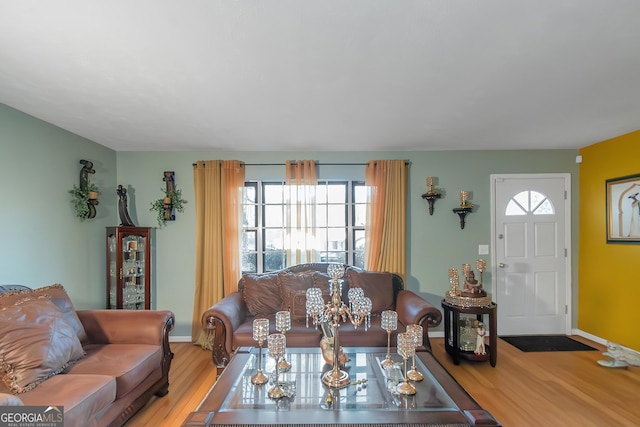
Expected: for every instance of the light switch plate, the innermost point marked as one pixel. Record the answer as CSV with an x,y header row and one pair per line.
x,y
483,249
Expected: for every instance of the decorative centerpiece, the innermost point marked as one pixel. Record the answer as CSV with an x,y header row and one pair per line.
x,y
472,293
333,313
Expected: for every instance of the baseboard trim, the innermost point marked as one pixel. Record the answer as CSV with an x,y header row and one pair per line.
x,y
178,338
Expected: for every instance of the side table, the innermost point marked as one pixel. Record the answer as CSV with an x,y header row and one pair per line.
x,y
452,332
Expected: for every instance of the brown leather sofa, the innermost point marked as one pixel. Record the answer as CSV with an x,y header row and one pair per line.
x,y
262,295
102,366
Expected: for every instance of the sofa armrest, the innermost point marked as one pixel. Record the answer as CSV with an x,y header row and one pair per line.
x,y
413,309
126,326
10,400
224,317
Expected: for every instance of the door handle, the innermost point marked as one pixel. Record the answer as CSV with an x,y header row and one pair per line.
x,y
502,265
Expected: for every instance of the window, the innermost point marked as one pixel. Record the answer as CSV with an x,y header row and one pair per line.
x,y
340,210
527,202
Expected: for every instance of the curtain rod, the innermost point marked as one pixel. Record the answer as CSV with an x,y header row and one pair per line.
x,y
406,162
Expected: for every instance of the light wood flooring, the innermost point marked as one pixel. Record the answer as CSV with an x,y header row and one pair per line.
x,y
524,389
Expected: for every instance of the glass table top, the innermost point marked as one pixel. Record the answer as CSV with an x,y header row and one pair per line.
x,y
372,387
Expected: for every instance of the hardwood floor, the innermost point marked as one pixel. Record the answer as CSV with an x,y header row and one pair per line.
x,y
524,389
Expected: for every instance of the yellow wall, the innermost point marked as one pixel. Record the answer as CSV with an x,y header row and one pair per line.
x,y
608,274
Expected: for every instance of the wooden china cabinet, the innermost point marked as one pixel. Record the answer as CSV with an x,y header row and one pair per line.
x,y
129,267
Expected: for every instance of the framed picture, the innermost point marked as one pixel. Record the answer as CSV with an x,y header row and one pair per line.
x,y
623,209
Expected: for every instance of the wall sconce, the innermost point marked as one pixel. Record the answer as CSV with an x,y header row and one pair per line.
x,y
465,208
85,196
431,195
172,201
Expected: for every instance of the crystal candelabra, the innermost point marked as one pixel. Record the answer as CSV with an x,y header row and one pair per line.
x,y
260,333
416,331
406,349
276,344
283,324
389,322
333,313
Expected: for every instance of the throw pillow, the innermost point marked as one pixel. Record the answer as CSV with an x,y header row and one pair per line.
x,y
36,342
378,286
293,291
57,295
261,294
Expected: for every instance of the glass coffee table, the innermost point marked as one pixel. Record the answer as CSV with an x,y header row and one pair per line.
x,y
370,399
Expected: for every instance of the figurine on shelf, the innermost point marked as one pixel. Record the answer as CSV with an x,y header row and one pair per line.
x,y
472,288
481,332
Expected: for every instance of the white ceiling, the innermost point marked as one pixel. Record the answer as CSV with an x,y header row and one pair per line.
x,y
325,75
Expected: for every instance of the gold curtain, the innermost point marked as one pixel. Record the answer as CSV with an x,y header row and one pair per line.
x,y
386,232
300,214
218,200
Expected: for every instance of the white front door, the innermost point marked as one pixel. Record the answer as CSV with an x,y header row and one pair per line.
x,y
531,253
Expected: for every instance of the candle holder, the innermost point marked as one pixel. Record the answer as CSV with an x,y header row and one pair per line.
x,y
276,344
283,324
431,195
358,312
260,333
465,208
389,322
406,349
416,331
481,266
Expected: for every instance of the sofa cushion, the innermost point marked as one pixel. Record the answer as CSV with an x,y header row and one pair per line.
x,y
293,292
129,364
261,294
378,286
82,396
58,295
36,342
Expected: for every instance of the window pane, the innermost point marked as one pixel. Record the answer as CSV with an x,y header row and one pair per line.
x,y
337,239
321,193
523,199
358,259
545,208
249,263
273,216
250,215
321,216
250,193
273,238
249,241
360,215
274,261
358,240
340,257
273,193
337,193
360,193
337,215
514,209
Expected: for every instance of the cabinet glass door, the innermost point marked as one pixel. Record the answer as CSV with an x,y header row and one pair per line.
x,y
128,268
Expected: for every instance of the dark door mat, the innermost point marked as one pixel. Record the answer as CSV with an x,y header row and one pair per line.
x,y
535,343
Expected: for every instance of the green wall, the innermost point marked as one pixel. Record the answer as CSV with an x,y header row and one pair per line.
x,y
435,242
41,241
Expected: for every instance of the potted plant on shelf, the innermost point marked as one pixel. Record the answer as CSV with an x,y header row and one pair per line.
x,y
163,207
80,199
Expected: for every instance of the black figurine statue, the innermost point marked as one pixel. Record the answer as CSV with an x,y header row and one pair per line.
x,y
125,219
